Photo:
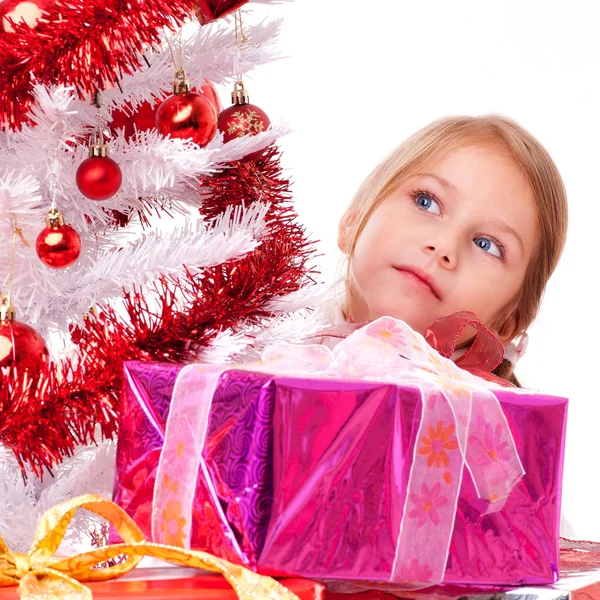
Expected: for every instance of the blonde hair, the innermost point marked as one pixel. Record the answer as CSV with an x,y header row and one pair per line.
x,y
432,143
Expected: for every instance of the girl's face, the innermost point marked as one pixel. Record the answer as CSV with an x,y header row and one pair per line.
x,y
458,236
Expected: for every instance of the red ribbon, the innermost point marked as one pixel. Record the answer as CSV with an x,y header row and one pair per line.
x,y
483,355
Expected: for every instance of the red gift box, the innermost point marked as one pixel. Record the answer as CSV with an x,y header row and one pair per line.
x,y
178,583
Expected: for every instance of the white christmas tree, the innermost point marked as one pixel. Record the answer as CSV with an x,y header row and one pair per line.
x,y
197,256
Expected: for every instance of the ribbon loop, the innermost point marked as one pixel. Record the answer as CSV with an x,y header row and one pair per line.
x,y
39,575
22,565
53,525
485,352
44,583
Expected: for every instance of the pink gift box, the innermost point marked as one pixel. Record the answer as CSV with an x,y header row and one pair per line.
x,y
338,498
308,477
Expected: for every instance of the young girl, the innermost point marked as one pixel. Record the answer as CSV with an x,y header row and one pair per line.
x,y
470,213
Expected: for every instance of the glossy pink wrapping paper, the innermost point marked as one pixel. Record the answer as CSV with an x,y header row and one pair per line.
x,y
308,477
342,457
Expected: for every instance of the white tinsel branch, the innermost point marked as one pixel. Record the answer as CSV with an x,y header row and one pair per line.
x,y
209,53
156,170
291,322
41,161
89,471
49,299
20,198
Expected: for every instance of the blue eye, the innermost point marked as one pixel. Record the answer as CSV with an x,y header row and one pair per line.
x,y
428,203
490,246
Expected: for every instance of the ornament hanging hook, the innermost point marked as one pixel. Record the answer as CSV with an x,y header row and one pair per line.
x,y
97,143
7,310
181,83
240,36
240,40
180,49
54,179
17,233
97,99
172,52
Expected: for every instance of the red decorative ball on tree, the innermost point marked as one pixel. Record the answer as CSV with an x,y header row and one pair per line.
x,y
242,118
18,11
143,117
210,10
98,177
186,115
210,91
20,345
58,245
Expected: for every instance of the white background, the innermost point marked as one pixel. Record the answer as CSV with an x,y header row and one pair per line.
x,y
363,75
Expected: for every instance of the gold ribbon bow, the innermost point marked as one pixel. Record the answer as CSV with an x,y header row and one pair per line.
x,y
39,574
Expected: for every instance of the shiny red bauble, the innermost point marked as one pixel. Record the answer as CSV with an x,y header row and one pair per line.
x,y
99,177
210,91
143,117
240,120
21,346
209,10
28,11
243,119
187,116
58,247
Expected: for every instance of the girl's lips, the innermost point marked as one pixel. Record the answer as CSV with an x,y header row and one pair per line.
x,y
420,278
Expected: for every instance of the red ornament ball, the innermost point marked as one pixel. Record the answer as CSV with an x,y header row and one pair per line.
x,y
187,116
243,119
58,247
210,10
143,118
21,346
99,177
210,91
17,11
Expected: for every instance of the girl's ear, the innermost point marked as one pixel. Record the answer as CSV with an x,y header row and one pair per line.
x,y
344,232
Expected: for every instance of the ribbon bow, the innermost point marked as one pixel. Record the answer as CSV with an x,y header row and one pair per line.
x,y
462,424
41,575
484,354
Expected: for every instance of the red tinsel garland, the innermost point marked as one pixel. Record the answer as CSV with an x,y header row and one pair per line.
x,y
43,420
80,43
190,311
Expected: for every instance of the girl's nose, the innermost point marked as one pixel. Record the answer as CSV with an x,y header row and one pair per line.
x,y
446,256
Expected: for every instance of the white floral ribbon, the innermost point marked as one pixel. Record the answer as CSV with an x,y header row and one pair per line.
x,y
461,424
